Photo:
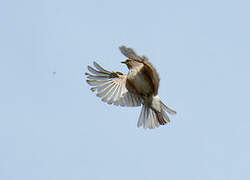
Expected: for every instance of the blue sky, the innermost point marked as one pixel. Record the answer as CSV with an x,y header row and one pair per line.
x,y
53,127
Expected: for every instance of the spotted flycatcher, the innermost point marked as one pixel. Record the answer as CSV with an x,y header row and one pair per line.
x,y
138,87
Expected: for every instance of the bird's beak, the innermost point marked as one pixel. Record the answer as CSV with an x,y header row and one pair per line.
x,y
124,62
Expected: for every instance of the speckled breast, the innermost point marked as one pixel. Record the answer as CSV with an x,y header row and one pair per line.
x,y
140,82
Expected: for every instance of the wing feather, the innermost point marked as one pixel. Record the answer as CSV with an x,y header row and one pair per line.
x,y
100,68
111,86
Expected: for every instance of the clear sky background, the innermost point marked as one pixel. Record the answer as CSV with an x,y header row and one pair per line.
x,y
53,127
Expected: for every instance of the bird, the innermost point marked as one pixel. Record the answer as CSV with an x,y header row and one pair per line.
x,y
138,87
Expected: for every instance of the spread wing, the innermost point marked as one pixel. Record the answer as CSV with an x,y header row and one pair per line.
x,y
131,54
111,86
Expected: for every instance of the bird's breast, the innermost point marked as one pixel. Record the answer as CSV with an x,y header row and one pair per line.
x,y
140,82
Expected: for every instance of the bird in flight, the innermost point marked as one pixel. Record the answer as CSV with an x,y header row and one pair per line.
x,y
138,87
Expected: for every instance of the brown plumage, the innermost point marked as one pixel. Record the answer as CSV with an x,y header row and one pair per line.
x,y
139,86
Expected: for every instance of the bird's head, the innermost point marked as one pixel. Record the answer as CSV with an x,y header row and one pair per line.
x,y
131,63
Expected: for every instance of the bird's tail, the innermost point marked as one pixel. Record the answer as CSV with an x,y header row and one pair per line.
x,y
155,114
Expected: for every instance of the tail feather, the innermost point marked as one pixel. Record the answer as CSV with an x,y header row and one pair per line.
x,y
165,116
142,117
154,115
168,109
148,118
161,118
